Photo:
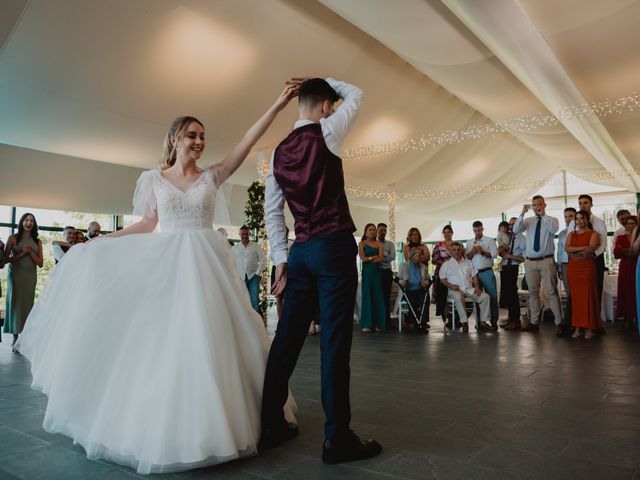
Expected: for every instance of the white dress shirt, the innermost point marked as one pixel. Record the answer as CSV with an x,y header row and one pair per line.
x,y
57,252
389,250
600,227
334,130
481,262
250,260
548,227
563,256
460,274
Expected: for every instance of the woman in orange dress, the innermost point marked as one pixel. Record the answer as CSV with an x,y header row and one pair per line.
x,y
581,245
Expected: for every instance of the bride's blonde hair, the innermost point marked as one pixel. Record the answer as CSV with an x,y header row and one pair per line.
x,y
177,128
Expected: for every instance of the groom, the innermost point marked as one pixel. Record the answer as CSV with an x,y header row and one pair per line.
x,y
320,272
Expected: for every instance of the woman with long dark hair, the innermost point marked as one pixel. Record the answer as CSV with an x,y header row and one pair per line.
x,y
441,253
581,245
23,253
372,313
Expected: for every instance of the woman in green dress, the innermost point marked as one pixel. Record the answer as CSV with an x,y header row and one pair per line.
x,y
372,312
23,253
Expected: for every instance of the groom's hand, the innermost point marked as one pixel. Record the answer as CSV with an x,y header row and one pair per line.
x,y
281,280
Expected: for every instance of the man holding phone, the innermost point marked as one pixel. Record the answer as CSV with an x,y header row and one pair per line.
x,y
539,264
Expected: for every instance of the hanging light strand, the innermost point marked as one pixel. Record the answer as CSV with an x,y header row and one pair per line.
x,y
523,123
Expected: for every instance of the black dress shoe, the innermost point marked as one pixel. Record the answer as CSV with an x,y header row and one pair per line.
x,y
272,437
349,450
564,331
531,327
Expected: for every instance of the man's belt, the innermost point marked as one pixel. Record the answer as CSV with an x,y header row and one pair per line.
x,y
537,259
484,269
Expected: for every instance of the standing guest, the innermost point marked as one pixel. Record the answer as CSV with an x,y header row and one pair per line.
x,y
503,239
481,250
59,248
386,271
461,278
414,278
635,248
512,257
581,245
250,262
23,253
372,313
225,234
539,264
2,246
441,253
93,230
414,240
563,268
626,274
585,203
622,216
80,238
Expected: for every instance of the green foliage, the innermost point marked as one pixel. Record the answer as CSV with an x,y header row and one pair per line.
x,y
254,212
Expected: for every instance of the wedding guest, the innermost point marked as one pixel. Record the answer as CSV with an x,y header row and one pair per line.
x,y
626,274
414,240
581,245
622,216
389,250
80,238
414,279
60,247
2,246
225,234
539,264
503,239
372,313
562,260
23,253
441,253
461,279
93,230
512,257
481,250
585,203
250,262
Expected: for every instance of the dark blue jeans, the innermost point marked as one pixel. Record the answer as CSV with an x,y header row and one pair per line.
x,y
253,285
488,284
322,276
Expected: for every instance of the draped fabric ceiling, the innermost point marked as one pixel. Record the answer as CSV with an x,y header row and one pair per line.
x,y
102,80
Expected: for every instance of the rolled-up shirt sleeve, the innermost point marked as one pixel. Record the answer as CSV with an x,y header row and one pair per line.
x,y
274,218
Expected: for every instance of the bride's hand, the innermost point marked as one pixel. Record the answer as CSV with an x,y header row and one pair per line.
x,y
290,91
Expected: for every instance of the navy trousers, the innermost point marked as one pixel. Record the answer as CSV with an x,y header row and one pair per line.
x,y
322,276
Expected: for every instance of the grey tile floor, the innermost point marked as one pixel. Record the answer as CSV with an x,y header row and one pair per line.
x,y
445,406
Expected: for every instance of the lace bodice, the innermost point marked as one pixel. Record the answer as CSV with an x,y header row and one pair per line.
x,y
192,209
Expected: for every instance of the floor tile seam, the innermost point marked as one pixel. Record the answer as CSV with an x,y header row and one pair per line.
x,y
39,447
604,463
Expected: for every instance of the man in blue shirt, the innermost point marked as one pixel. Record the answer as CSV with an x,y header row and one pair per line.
x,y
563,271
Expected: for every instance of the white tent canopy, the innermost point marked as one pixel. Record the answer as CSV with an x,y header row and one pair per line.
x,y
102,80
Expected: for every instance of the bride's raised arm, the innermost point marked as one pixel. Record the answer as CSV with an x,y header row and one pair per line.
x,y
230,164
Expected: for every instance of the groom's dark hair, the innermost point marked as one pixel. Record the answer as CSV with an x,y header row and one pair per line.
x,y
315,91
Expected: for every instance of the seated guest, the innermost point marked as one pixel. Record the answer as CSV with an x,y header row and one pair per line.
x,y
622,216
372,313
441,254
481,250
414,240
459,276
93,230
626,274
59,248
414,278
581,245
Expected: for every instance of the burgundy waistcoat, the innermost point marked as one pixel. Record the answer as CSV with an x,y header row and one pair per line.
x,y
312,180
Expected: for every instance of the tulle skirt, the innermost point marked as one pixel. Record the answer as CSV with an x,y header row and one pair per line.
x,y
149,351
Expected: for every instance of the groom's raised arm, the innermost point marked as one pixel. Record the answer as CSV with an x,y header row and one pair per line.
x,y
336,126
274,218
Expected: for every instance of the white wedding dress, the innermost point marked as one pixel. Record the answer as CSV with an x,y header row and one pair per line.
x,y
147,345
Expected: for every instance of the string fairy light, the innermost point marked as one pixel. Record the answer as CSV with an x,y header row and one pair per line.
x,y
522,123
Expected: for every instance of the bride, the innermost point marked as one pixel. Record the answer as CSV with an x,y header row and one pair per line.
x,y
146,344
